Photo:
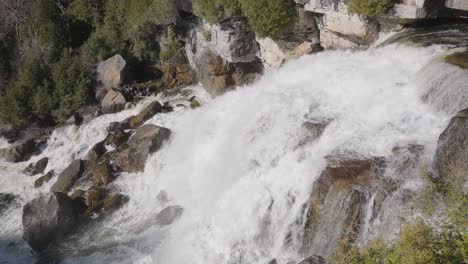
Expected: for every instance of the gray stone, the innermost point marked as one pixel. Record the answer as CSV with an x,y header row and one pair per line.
x,y
38,167
168,215
450,161
44,179
21,150
47,219
68,177
457,4
110,71
131,157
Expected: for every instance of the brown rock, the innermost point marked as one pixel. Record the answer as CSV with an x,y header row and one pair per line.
x,y
68,177
37,167
43,179
102,174
114,201
113,102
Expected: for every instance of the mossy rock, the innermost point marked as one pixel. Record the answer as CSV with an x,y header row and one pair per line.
x,y
459,59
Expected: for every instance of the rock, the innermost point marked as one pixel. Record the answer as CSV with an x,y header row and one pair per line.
x,y
132,156
274,53
168,215
114,201
111,71
194,103
44,179
6,200
332,40
76,119
21,150
116,138
178,75
450,161
93,199
47,219
459,58
9,132
68,177
147,113
102,174
37,168
113,102
97,150
313,260
335,206
313,130
457,4
224,56
219,76
77,194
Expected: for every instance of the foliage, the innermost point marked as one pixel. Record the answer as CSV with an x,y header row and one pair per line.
x,y
171,49
419,244
268,18
16,105
215,11
371,8
74,83
87,11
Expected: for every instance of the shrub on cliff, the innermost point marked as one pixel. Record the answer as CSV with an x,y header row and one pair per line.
x,y
171,48
371,8
267,18
271,17
419,244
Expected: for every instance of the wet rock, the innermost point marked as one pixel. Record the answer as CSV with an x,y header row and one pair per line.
x,y
313,260
168,215
36,168
338,196
147,113
194,103
313,130
114,201
68,177
9,132
273,261
459,59
178,75
132,156
6,200
93,199
44,179
21,150
76,119
77,194
450,161
102,174
97,151
113,102
117,137
48,218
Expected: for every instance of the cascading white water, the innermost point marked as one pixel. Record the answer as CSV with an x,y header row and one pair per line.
x,y
236,164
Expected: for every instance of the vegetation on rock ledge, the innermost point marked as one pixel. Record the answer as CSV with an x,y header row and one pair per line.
x,y
371,8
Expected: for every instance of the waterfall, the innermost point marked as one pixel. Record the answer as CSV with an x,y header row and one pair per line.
x,y
239,165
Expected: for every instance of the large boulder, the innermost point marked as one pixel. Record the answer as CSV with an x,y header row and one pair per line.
x,y
131,157
335,206
178,75
21,150
450,161
68,177
111,71
48,218
113,102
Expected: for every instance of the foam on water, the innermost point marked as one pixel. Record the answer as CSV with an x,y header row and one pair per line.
x,y
237,165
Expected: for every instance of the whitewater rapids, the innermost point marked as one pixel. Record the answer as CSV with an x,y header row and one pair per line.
x,y
237,165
